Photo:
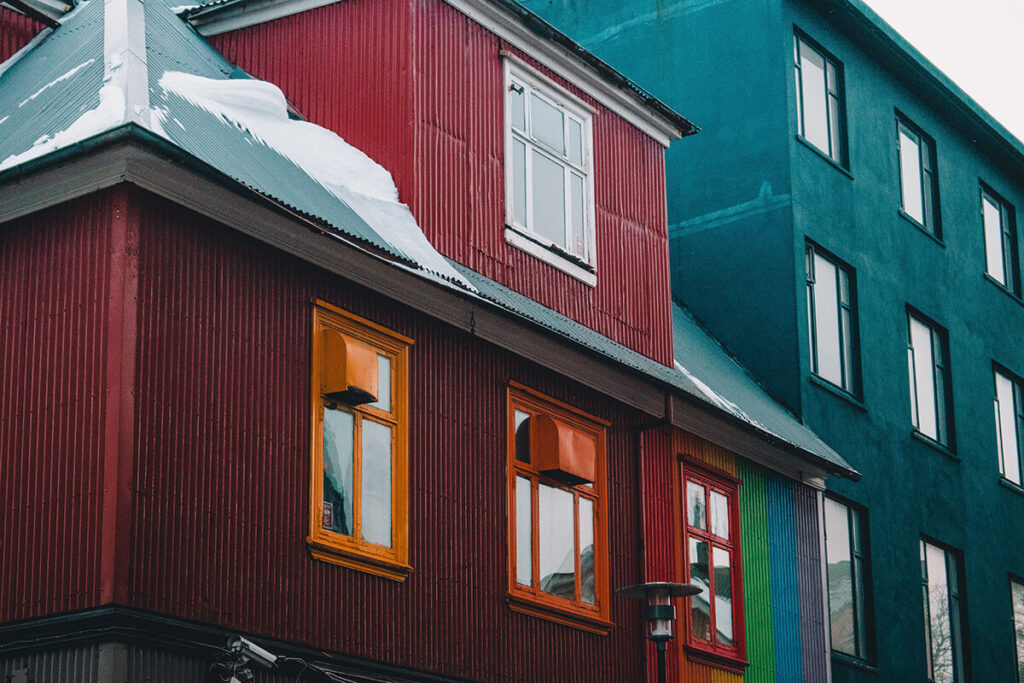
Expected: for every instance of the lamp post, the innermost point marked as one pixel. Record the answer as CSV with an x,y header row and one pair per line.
x,y
660,611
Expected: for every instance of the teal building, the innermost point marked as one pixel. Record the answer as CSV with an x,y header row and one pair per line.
x,y
846,225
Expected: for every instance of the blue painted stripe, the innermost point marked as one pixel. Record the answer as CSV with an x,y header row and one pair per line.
x,y
784,583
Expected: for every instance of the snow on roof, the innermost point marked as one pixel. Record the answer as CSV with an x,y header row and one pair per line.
x,y
87,78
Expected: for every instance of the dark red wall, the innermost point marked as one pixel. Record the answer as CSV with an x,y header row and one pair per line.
x,y
221,476
54,306
418,86
15,31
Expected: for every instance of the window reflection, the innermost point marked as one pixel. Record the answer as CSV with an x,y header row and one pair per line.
x,y
338,451
719,515
723,596
524,532
376,519
557,550
695,513
587,551
700,604
840,578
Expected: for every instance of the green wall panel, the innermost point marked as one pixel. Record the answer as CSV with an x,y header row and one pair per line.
x,y
757,606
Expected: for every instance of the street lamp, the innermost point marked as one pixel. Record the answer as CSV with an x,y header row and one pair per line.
x,y
660,611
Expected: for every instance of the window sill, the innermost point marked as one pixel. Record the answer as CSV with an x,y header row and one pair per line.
x,y
1016,488
835,164
838,392
551,256
1003,288
920,226
354,559
929,441
854,663
541,609
731,663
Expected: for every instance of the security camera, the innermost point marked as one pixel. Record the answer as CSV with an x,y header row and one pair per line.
x,y
249,651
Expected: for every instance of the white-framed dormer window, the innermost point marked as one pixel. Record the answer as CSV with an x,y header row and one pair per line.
x,y
549,183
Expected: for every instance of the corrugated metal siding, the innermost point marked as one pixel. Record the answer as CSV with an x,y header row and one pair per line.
x,y
427,104
222,473
757,597
785,586
53,318
705,451
64,665
812,615
15,32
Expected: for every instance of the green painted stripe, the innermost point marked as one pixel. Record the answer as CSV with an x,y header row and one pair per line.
x,y
757,606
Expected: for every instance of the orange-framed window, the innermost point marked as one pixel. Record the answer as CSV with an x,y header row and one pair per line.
x,y
359,475
711,552
558,537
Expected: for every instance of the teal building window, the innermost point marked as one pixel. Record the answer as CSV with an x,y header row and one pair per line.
x,y
832,320
847,569
1009,425
940,585
819,99
919,191
1000,240
931,404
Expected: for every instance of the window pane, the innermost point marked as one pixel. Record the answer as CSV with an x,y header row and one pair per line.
x,y
814,102
557,551
578,241
719,515
841,592
695,513
1018,627
524,531
993,239
938,616
723,597
522,437
910,175
517,106
1006,429
587,551
575,142
376,490
547,124
924,378
338,450
519,182
383,383
826,320
548,200
700,604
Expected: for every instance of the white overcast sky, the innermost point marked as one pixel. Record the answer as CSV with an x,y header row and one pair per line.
x,y
979,44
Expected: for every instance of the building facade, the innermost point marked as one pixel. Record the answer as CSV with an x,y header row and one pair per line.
x,y
404,404
864,210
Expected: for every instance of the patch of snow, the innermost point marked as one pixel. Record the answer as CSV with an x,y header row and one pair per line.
x,y
55,81
178,9
157,118
4,119
107,115
76,10
29,46
260,109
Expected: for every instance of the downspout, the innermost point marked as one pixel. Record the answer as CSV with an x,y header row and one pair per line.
x,y
820,498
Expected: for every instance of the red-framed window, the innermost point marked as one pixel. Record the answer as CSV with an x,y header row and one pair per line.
x,y
711,560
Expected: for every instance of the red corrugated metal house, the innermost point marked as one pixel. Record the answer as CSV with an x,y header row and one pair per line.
x,y
402,424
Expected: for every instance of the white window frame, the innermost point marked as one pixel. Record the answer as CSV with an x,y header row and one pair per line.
x,y
1010,411
845,320
518,234
937,384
